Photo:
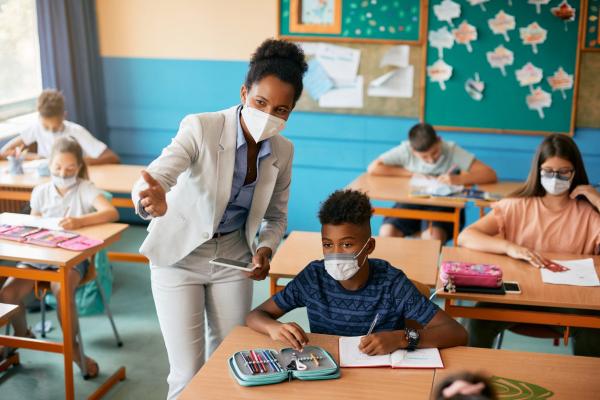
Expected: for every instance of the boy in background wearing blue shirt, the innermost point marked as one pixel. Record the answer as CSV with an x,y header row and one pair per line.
x,y
344,292
425,153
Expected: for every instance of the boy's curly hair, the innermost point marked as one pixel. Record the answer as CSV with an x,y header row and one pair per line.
x,y
346,206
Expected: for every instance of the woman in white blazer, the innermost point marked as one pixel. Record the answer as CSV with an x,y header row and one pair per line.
x,y
220,189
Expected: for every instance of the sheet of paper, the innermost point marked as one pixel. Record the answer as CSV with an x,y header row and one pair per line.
x,y
310,48
420,358
341,63
430,185
581,273
350,96
351,356
396,56
316,80
29,220
396,83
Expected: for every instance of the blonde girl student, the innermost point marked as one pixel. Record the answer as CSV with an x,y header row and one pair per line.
x,y
70,196
555,211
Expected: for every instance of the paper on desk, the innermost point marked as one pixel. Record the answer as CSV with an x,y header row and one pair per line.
x,y
580,273
30,220
431,186
350,96
340,63
316,80
396,83
396,56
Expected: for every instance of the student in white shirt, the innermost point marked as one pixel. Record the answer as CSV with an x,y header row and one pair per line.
x,y
52,125
72,197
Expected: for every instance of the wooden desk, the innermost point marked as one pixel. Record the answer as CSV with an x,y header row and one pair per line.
x,y
214,381
533,293
65,260
417,258
397,189
569,377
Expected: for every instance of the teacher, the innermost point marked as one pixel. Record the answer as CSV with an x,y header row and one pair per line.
x,y
224,178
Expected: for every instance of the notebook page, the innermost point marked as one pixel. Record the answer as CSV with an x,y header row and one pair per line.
x,y
420,358
351,356
580,273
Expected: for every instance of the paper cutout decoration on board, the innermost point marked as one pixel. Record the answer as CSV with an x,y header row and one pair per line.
x,y
502,23
480,3
533,35
347,96
539,99
396,56
561,81
475,87
316,81
439,72
500,58
513,389
538,4
529,75
396,83
465,34
340,63
441,39
565,12
447,11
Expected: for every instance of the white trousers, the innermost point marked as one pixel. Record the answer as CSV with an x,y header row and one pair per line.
x,y
193,294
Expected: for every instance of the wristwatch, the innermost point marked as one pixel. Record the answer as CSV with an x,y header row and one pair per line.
x,y
412,337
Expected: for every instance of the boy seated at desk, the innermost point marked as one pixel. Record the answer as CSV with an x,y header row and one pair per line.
x,y
50,126
344,292
425,153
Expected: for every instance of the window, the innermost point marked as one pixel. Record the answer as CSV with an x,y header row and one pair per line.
x,y
20,73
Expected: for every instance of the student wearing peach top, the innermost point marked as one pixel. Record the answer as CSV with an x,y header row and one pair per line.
x,y
555,211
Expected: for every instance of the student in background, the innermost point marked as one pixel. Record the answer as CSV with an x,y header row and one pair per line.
x,y
425,153
349,286
555,211
70,196
52,125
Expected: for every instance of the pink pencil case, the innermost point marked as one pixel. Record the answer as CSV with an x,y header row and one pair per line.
x,y
454,273
80,243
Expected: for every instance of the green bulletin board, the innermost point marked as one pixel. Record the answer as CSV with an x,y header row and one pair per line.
x,y
365,20
503,107
592,23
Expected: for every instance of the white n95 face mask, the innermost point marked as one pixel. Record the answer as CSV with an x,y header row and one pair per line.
x,y
261,125
343,266
64,182
554,185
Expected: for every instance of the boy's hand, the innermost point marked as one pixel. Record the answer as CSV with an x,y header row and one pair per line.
x,y
383,342
71,223
450,179
290,333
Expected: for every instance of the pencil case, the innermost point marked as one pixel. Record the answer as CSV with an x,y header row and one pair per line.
x,y
461,274
80,243
267,366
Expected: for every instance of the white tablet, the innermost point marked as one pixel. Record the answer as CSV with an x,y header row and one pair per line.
x,y
235,264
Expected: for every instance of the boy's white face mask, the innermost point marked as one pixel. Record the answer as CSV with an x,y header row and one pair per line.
x,y
343,266
261,125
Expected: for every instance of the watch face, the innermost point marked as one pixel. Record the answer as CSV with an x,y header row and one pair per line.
x,y
413,334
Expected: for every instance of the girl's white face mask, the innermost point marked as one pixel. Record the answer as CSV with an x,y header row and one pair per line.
x,y
64,182
261,125
554,185
343,266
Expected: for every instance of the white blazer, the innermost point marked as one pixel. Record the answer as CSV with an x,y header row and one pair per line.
x,y
196,170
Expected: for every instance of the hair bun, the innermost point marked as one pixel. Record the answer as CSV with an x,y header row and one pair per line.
x,y
280,49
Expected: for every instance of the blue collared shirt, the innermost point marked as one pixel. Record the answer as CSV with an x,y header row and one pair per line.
x,y
240,199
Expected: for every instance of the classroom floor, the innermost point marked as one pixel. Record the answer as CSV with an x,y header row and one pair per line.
x,y
40,375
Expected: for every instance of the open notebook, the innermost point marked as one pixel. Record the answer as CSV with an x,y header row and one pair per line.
x,y
351,356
